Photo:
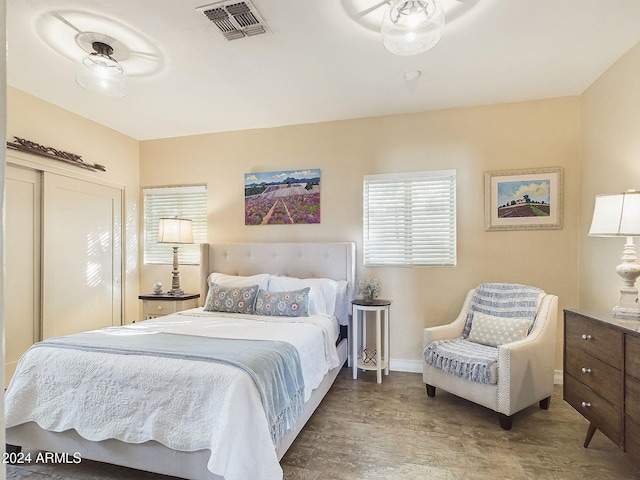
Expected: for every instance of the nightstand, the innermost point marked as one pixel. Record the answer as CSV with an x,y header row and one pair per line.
x,y
159,305
370,360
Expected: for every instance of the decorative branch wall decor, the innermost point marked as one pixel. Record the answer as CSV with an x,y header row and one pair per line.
x,y
49,152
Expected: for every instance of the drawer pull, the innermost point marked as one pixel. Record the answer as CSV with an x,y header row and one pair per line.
x,y
586,404
586,336
159,307
586,370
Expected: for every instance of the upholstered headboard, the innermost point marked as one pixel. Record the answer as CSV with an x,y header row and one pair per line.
x,y
335,260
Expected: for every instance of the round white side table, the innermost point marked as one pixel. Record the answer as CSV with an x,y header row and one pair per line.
x,y
359,319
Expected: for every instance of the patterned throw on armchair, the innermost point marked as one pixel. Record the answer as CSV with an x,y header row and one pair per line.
x,y
499,352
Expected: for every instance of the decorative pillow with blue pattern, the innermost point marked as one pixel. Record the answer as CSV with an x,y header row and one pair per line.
x,y
231,299
283,304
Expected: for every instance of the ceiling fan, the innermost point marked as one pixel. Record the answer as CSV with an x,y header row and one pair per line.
x,y
408,27
105,50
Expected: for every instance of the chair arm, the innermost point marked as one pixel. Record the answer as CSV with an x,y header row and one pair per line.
x,y
526,367
450,330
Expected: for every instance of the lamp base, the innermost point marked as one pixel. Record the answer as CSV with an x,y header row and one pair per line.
x,y
626,313
176,291
629,270
628,305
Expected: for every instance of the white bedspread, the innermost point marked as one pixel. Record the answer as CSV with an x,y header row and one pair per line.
x,y
182,404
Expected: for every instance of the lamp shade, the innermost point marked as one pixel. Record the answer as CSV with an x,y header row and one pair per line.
x,y
411,27
616,215
175,230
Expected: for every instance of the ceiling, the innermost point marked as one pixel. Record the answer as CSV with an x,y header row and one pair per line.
x,y
321,60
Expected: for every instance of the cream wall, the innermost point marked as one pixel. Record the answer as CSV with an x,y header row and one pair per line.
x,y
471,140
47,124
610,164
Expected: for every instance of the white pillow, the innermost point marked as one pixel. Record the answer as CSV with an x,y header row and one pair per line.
x,y
343,303
237,281
495,331
322,292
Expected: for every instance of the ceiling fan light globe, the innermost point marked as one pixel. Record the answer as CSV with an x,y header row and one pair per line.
x,y
102,85
411,27
102,64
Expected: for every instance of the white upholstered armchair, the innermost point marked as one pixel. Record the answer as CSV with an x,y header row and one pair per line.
x,y
505,378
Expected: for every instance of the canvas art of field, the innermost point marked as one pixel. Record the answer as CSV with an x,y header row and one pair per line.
x,y
282,197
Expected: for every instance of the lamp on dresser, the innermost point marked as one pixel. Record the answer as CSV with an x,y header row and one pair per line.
x,y
175,231
618,215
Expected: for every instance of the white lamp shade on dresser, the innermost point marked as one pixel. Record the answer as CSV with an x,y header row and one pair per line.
x,y
616,215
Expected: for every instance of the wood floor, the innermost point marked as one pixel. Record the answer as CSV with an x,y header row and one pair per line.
x,y
363,430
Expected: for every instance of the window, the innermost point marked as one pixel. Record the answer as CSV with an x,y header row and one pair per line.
x,y
410,219
185,202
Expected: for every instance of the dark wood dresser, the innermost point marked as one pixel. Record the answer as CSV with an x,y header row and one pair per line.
x,y
602,374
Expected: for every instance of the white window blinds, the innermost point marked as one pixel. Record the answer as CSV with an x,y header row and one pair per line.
x,y
410,219
184,202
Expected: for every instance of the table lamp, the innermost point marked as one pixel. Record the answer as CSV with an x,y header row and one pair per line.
x,y
618,215
175,230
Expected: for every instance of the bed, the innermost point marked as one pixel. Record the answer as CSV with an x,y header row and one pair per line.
x,y
178,427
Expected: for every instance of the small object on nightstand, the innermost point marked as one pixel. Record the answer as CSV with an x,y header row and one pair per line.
x,y
154,306
157,288
369,355
370,359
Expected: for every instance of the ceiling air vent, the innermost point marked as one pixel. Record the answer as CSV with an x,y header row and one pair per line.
x,y
235,19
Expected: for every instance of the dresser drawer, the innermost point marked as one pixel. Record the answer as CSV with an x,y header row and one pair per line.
x,y
595,338
595,374
632,398
602,414
632,355
159,307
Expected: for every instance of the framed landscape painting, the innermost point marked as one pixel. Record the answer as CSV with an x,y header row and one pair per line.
x,y
523,199
282,198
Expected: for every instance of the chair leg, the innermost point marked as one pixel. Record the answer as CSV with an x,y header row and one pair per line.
x,y
544,403
506,421
12,448
12,454
431,390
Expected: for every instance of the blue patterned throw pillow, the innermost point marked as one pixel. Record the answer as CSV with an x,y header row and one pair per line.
x,y
231,299
283,304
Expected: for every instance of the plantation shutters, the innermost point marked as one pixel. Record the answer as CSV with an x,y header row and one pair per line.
x,y
184,202
410,219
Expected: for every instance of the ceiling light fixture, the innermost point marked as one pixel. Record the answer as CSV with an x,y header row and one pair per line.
x,y
100,60
411,27
104,70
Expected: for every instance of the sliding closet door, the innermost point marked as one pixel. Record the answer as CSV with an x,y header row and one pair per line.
x,y
82,259
22,263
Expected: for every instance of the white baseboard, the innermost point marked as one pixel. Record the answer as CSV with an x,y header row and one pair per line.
x,y
404,365
557,377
